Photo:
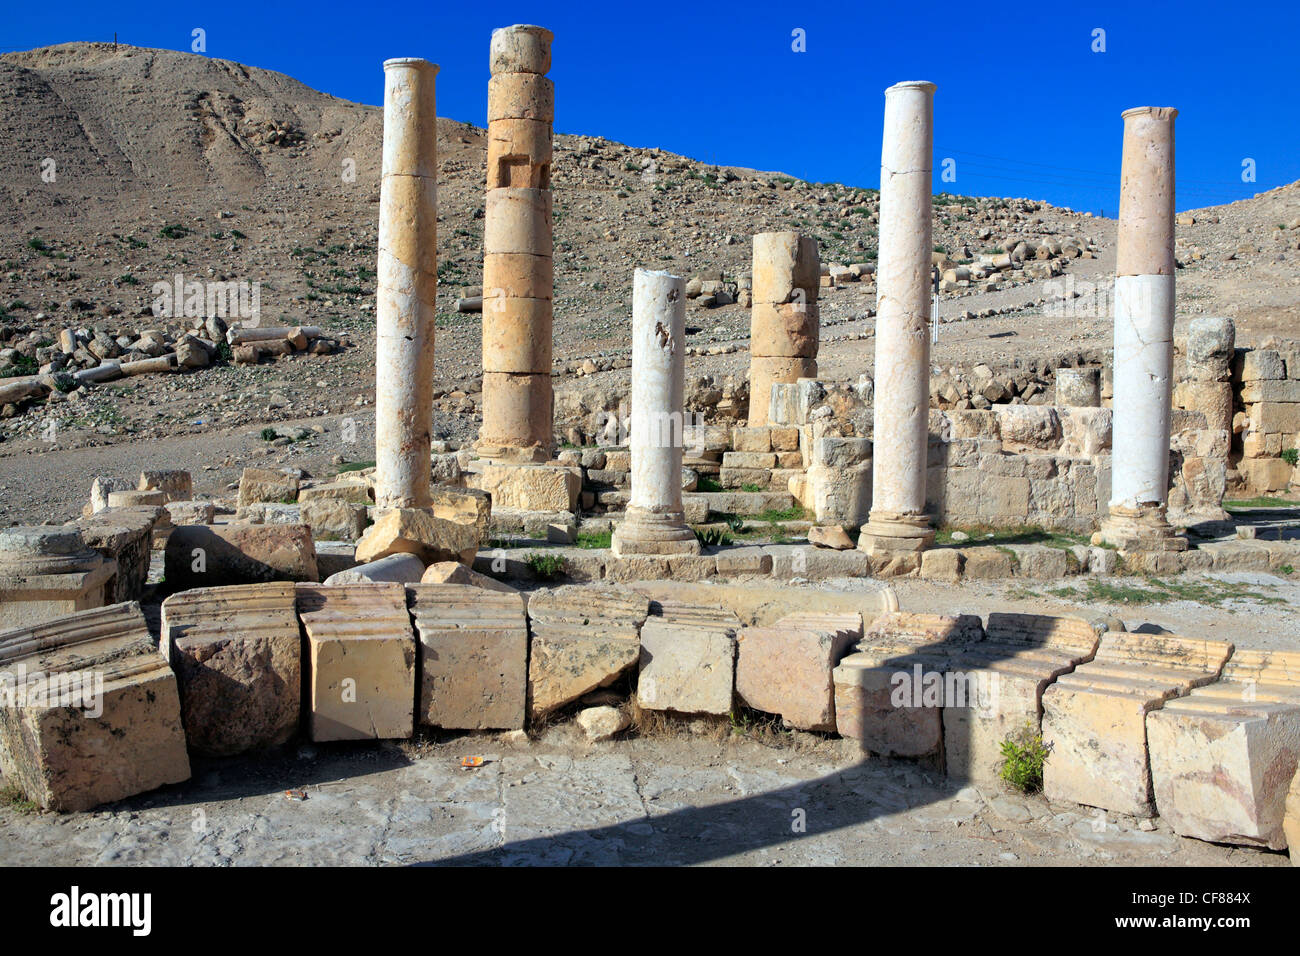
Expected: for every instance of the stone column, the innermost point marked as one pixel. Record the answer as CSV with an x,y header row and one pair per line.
x,y
407,286
517,271
784,323
897,522
1144,327
655,523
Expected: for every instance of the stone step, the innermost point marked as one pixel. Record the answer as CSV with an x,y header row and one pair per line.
x,y
361,660
237,654
688,661
110,729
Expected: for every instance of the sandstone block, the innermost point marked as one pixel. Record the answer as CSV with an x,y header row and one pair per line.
x,y
1003,680
177,485
416,531
532,487
361,661
453,572
262,484
890,693
1222,757
786,669
583,637
237,654
214,555
1094,719
473,656
91,711
687,667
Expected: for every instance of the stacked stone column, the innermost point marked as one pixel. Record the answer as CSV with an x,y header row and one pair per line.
x,y
784,321
897,522
517,269
1144,331
655,522
407,286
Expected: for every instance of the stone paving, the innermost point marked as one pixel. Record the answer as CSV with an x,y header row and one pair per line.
x,y
784,800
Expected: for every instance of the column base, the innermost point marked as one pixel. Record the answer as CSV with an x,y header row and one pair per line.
x,y
1144,528
531,454
648,532
892,533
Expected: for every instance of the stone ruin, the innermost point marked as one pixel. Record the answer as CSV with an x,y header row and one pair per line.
x,y
399,581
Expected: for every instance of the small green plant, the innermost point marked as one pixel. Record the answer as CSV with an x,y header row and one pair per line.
x,y
1291,456
547,567
23,365
173,231
269,434
355,466
1023,757
706,483
1287,569
13,798
713,537
127,279
64,382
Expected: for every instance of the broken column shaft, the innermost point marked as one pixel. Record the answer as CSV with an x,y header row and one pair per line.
x,y
784,323
407,286
517,270
655,523
1144,326
897,522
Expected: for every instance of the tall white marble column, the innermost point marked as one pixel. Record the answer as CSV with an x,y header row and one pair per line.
x,y
407,286
1144,333
897,521
655,522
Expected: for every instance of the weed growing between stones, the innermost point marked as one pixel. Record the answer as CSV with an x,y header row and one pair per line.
x,y
1024,755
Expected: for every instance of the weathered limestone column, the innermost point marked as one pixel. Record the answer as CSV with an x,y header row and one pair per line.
x,y
897,522
655,523
784,322
1144,336
407,286
517,271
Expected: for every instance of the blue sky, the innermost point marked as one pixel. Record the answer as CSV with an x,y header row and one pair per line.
x,y
1025,107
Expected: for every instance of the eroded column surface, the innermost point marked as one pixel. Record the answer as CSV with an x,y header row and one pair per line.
x,y
897,522
407,285
655,523
517,269
784,321
1144,327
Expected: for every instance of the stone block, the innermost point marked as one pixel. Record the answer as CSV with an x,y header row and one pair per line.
x,y
50,571
583,637
890,693
687,667
1002,681
1094,718
743,560
361,661
237,654
263,484
942,564
334,519
786,669
1040,563
987,562
453,572
417,531
532,487
177,485
756,440
91,714
357,492
192,512
124,535
473,656
1222,757
215,555
1261,364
